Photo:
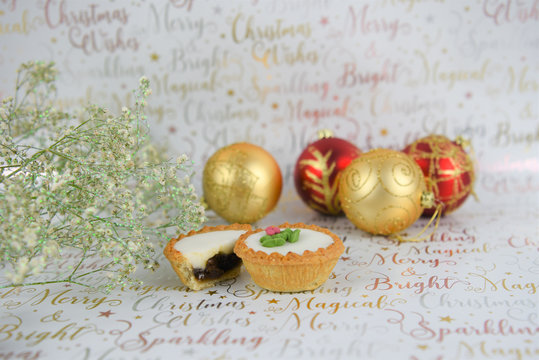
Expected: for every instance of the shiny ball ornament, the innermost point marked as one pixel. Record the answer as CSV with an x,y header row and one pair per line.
x,y
242,183
317,170
383,191
448,170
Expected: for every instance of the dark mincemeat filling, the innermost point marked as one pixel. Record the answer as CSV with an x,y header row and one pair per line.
x,y
216,266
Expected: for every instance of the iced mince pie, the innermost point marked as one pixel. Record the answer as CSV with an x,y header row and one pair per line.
x,y
203,258
289,257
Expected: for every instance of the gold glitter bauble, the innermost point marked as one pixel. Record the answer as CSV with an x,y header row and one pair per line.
x,y
381,191
242,183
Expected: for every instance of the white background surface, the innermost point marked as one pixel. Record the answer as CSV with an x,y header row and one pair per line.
x,y
274,72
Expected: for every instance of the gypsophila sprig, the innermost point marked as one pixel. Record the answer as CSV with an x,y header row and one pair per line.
x,y
96,185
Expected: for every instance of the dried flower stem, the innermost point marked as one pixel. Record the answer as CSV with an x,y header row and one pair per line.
x,y
93,186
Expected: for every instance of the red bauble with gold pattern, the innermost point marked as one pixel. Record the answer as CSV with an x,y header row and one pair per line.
x,y
448,170
317,170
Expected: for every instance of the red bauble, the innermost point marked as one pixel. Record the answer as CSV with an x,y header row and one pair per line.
x,y
448,170
317,170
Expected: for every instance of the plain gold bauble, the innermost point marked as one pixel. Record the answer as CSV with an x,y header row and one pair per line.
x,y
381,191
242,183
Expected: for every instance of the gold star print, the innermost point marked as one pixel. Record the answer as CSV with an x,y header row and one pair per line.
x,y
154,56
138,317
275,106
211,292
385,248
446,319
230,92
383,132
273,301
423,347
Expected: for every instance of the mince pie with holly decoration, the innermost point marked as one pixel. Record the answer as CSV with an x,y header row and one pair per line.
x,y
290,257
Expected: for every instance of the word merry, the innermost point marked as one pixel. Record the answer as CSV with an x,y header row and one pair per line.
x,y
58,298
360,20
172,24
398,259
315,322
521,81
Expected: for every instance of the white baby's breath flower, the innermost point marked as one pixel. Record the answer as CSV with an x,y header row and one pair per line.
x,y
51,249
104,166
3,113
37,264
181,159
30,237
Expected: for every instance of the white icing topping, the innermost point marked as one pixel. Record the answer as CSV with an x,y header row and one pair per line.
x,y
308,240
199,248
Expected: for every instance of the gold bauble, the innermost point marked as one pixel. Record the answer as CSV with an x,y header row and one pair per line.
x,y
381,191
242,183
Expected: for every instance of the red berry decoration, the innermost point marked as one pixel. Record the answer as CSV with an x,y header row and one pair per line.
x,y
448,170
317,170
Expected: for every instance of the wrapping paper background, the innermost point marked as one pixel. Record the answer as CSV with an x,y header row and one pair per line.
x,y
274,72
